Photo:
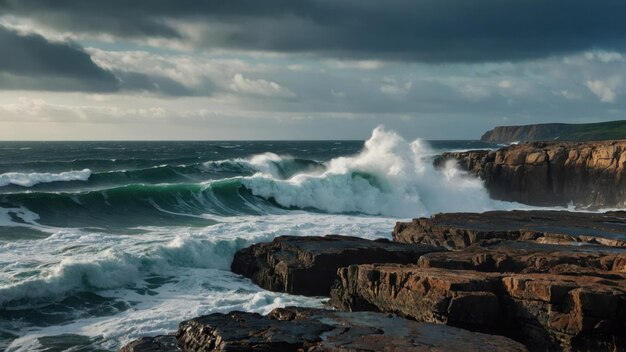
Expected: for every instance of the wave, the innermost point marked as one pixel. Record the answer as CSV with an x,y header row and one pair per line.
x,y
276,166
34,178
114,268
116,175
119,208
390,177
71,261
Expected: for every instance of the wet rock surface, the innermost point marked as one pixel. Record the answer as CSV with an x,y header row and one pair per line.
x,y
543,310
162,343
318,330
555,173
460,230
550,280
308,265
529,257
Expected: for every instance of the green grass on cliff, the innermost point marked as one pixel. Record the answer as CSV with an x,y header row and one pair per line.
x,y
594,131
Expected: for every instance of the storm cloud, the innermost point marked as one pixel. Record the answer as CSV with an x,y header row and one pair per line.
x,y
429,31
33,55
32,62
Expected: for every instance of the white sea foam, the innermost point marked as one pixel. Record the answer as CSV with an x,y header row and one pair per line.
x,y
116,266
70,261
389,177
34,178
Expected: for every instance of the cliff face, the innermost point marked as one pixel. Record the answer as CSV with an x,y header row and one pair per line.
x,y
513,134
557,131
587,174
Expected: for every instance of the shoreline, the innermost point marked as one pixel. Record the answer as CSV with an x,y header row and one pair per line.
x,y
556,289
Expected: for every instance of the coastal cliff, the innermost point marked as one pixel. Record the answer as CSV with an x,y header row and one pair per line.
x,y
557,131
588,174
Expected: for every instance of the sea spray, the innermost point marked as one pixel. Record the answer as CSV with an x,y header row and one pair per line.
x,y
146,240
389,177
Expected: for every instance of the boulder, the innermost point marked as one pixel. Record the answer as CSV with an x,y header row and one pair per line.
x,y
308,265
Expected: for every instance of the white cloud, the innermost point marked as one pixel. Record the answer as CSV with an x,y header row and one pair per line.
x,y
259,87
188,70
605,89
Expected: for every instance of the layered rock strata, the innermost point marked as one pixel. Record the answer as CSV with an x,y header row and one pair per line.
x,y
545,311
460,230
528,257
585,174
308,265
317,330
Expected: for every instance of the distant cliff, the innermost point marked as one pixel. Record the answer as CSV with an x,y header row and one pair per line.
x,y
557,173
557,131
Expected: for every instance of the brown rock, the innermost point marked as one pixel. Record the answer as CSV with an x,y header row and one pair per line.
x,y
460,230
460,298
308,265
529,257
318,330
555,173
163,343
545,311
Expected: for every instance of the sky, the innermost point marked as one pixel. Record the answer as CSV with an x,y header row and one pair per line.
x,y
305,69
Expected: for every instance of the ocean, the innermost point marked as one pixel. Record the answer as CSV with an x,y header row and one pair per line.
x,y
104,242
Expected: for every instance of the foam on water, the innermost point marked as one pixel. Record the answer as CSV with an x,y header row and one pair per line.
x,y
113,284
389,177
194,261
34,178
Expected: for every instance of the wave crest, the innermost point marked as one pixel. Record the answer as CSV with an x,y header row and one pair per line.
x,y
34,178
389,177
112,269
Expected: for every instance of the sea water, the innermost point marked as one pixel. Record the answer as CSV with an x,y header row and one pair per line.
x,y
104,242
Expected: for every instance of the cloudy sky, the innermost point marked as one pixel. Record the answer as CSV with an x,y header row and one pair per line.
x,y
305,69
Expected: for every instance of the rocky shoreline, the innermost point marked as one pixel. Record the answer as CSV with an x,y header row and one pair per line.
x,y
497,281
589,174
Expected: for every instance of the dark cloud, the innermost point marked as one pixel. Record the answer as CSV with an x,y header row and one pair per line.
x,y
63,66
425,31
31,62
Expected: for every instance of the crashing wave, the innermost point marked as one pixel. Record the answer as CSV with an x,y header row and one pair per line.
x,y
389,177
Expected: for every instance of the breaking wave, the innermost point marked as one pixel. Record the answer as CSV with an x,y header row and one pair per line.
x,y
390,177
31,179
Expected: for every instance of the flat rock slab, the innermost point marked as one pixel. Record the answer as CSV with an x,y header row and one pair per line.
x,y
460,230
308,265
318,330
545,311
529,257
